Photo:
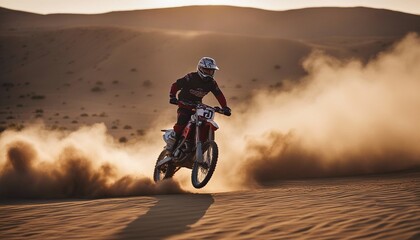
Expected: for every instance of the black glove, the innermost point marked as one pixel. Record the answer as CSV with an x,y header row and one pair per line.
x,y
173,100
227,111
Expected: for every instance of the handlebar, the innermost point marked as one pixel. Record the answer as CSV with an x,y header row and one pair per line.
x,y
194,105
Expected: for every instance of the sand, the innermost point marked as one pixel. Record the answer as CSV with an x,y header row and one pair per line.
x,y
375,207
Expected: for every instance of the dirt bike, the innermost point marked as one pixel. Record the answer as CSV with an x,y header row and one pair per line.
x,y
196,148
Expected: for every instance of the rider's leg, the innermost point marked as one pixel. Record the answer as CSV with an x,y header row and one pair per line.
x,y
184,116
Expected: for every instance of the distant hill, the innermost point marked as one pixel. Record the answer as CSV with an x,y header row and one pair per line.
x,y
301,23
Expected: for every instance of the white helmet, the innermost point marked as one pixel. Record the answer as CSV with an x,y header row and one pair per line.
x,y
206,67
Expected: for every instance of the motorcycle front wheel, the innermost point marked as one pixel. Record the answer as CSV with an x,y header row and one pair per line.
x,y
164,171
202,171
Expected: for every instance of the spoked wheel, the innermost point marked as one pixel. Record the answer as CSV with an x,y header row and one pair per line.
x,y
164,171
202,172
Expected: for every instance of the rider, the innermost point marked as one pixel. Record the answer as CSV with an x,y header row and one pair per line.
x,y
194,86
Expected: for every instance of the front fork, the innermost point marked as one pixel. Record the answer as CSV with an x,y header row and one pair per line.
x,y
198,143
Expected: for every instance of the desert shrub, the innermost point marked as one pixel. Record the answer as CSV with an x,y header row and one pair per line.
x,y
8,85
38,97
123,140
114,127
277,85
147,83
140,132
99,83
84,115
74,121
133,70
103,114
39,111
15,126
277,66
66,117
238,86
115,82
19,105
10,117
97,89
127,127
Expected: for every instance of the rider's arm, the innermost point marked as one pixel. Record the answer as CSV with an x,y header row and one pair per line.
x,y
178,85
174,90
222,100
219,95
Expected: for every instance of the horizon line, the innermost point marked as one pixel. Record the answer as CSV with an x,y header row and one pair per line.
x,y
208,5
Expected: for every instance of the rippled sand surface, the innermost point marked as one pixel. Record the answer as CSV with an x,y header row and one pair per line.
x,y
376,207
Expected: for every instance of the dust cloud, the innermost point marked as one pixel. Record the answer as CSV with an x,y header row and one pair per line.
x,y
86,163
344,118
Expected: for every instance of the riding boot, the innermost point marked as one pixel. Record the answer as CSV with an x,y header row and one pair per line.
x,y
176,141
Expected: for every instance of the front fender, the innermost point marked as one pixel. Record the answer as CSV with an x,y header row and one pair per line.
x,y
213,125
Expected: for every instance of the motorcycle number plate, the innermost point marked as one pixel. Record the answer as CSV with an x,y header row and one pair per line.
x,y
208,113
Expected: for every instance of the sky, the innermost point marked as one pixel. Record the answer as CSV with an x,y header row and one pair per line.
x,y
101,6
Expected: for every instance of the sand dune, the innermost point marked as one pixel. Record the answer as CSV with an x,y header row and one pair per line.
x,y
301,23
377,207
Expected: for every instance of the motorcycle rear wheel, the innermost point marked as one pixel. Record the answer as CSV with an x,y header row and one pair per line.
x,y
164,171
202,172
